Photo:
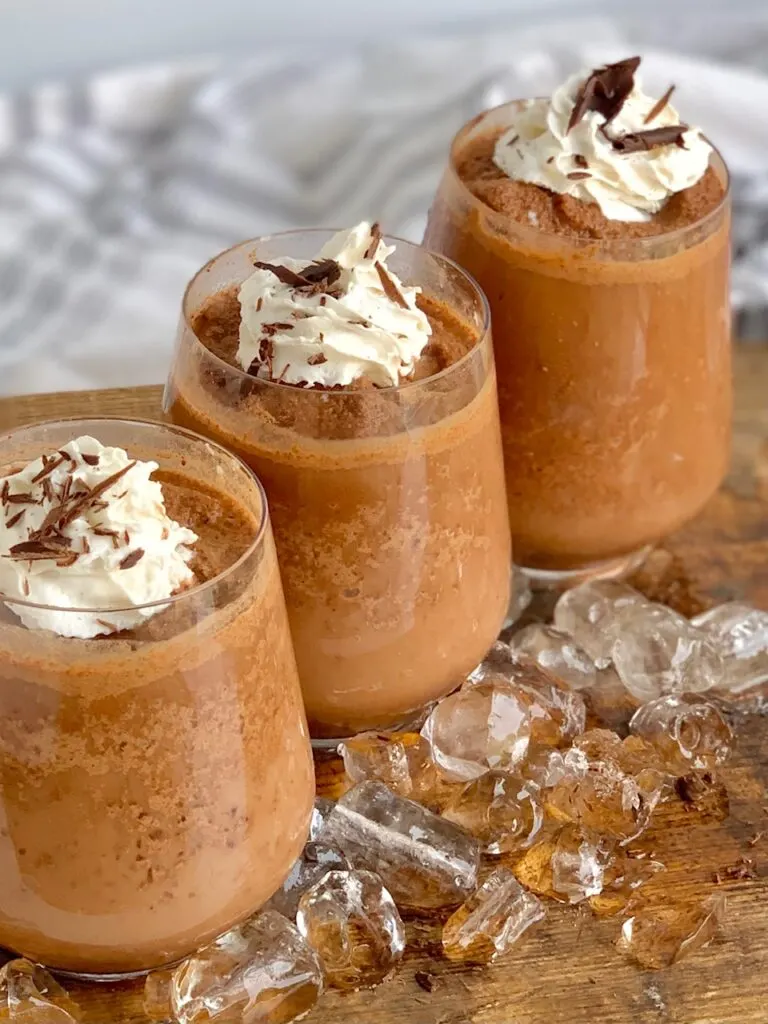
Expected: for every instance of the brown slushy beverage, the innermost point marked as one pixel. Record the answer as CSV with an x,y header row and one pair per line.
x,y
156,776
598,225
368,408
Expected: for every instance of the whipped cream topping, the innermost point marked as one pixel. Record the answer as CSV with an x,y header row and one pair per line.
x,y
601,139
330,322
86,527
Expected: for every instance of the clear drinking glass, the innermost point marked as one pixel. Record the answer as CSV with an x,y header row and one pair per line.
x,y
155,786
614,373
388,504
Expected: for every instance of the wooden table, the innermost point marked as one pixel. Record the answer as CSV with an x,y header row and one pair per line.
x,y
567,970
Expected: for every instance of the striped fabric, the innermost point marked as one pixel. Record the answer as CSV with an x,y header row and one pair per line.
x,y
114,192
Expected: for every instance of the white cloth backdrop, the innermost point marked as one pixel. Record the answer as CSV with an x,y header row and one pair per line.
x,y
113,192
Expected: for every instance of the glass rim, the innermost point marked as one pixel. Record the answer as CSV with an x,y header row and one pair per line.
x,y
578,241
339,392
192,591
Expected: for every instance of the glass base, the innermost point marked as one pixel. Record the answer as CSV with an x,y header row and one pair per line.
x,y
105,978
562,579
412,722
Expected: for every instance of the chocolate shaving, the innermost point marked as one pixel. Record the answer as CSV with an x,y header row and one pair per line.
x,y
83,498
390,288
103,531
132,559
65,455
15,519
23,498
90,460
270,329
578,175
425,981
323,272
580,161
657,108
265,356
373,245
513,140
652,138
317,276
259,304
107,625
33,550
284,274
4,493
281,375
550,159
25,588
605,91
86,549
101,488
48,468
317,360
47,489
323,300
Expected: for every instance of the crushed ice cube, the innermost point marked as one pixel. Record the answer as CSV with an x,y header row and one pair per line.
x,y
492,920
422,859
352,923
687,729
263,970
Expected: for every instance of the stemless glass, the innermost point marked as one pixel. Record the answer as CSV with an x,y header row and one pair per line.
x,y
388,504
155,786
614,372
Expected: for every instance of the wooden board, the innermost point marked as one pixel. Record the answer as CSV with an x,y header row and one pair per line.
x,y
567,970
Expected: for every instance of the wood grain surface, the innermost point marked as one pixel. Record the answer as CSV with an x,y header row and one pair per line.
x,y
568,970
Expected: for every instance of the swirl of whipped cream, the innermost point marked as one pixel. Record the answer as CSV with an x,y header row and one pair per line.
x,y
359,320
583,161
86,527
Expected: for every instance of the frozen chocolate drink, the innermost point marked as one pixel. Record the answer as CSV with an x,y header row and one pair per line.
x,y
597,224
155,769
357,380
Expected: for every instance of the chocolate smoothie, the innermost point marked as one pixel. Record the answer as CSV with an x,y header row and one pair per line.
x,y
598,227
156,780
387,500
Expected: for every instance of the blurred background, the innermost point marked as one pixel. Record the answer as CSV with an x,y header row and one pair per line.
x,y
139,137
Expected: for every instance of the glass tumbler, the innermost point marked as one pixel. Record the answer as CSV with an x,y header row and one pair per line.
x,y
156,785
614,371
388,503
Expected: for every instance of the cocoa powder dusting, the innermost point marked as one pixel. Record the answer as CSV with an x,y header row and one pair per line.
x,y
570,217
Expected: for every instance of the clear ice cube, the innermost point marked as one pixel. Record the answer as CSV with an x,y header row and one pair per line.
x,y
688,730
740,633
657,937
262,971
352,923
558,653
657,652
424,860
492,920
30,995
499,810
486,725
591,613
